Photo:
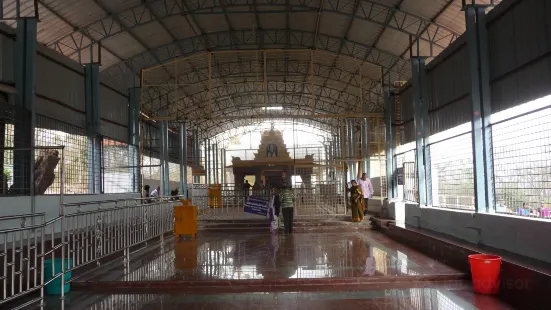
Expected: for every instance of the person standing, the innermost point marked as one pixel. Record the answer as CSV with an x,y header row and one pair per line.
x,y
145,191
356,202
246,188
155,193
287,199
367,190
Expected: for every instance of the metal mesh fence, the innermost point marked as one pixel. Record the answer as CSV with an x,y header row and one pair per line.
x,y
316,197
522,165
452,173
46,171
118,174
52,132
48,133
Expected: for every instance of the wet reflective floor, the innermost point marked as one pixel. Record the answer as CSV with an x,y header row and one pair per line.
x,y
453,296
216,256
225,269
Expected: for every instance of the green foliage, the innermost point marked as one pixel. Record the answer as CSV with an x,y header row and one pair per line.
x,y
7,175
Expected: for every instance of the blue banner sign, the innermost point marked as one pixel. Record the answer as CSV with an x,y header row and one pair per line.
x,y
255,205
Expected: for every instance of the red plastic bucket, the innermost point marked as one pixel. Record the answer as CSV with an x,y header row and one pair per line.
x,y
485,270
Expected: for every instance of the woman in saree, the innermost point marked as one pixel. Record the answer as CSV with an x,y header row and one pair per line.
x,y
356,202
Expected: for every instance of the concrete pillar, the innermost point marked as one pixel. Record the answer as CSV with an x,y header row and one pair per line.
x,y
477,45
25,108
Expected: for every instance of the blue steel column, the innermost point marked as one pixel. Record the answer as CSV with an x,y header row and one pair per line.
x,y
363,140
183,160
223,155
208,163
390,147
134,106
197,148
91,99
351,150
419,103
477,44
165,170
25,108
368,146
215,159
393,146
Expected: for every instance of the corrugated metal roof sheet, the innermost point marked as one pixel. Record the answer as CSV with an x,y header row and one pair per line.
x,y
143,33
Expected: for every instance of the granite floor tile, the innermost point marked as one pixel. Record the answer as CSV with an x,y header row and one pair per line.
x,y
249,256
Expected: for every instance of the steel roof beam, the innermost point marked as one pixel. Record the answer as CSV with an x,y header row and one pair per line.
x,y
339,105
371,55
168,32
130,33
65,20
390,15
209,9
438,14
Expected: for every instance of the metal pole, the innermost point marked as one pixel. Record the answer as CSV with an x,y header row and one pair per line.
x,y
208,163
183,160
215,159
197,148
350,141
389,152
165,171
368,146
477,44
25,106
134,96
223,166
418,78
342,147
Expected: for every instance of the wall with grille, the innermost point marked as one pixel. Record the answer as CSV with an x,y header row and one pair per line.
x,y
520,66
60,89
520,72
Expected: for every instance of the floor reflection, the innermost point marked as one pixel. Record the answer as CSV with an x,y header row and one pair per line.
x,y
216,256
389,299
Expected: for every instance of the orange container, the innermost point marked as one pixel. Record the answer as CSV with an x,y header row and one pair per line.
x,y
185,220
485,271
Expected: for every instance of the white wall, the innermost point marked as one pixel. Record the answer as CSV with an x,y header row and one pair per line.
x,y
527,237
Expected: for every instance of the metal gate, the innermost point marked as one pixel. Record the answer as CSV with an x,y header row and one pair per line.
x,y
411,192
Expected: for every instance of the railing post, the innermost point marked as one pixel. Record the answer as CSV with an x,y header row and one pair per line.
x,y
477,45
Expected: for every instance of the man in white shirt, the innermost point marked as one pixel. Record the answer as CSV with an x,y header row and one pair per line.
x,y
155,192
367,189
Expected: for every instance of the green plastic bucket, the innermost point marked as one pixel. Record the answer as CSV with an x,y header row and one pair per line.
x,y
54,287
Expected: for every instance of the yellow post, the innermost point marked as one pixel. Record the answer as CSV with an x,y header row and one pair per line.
x,y
215,196
185,219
